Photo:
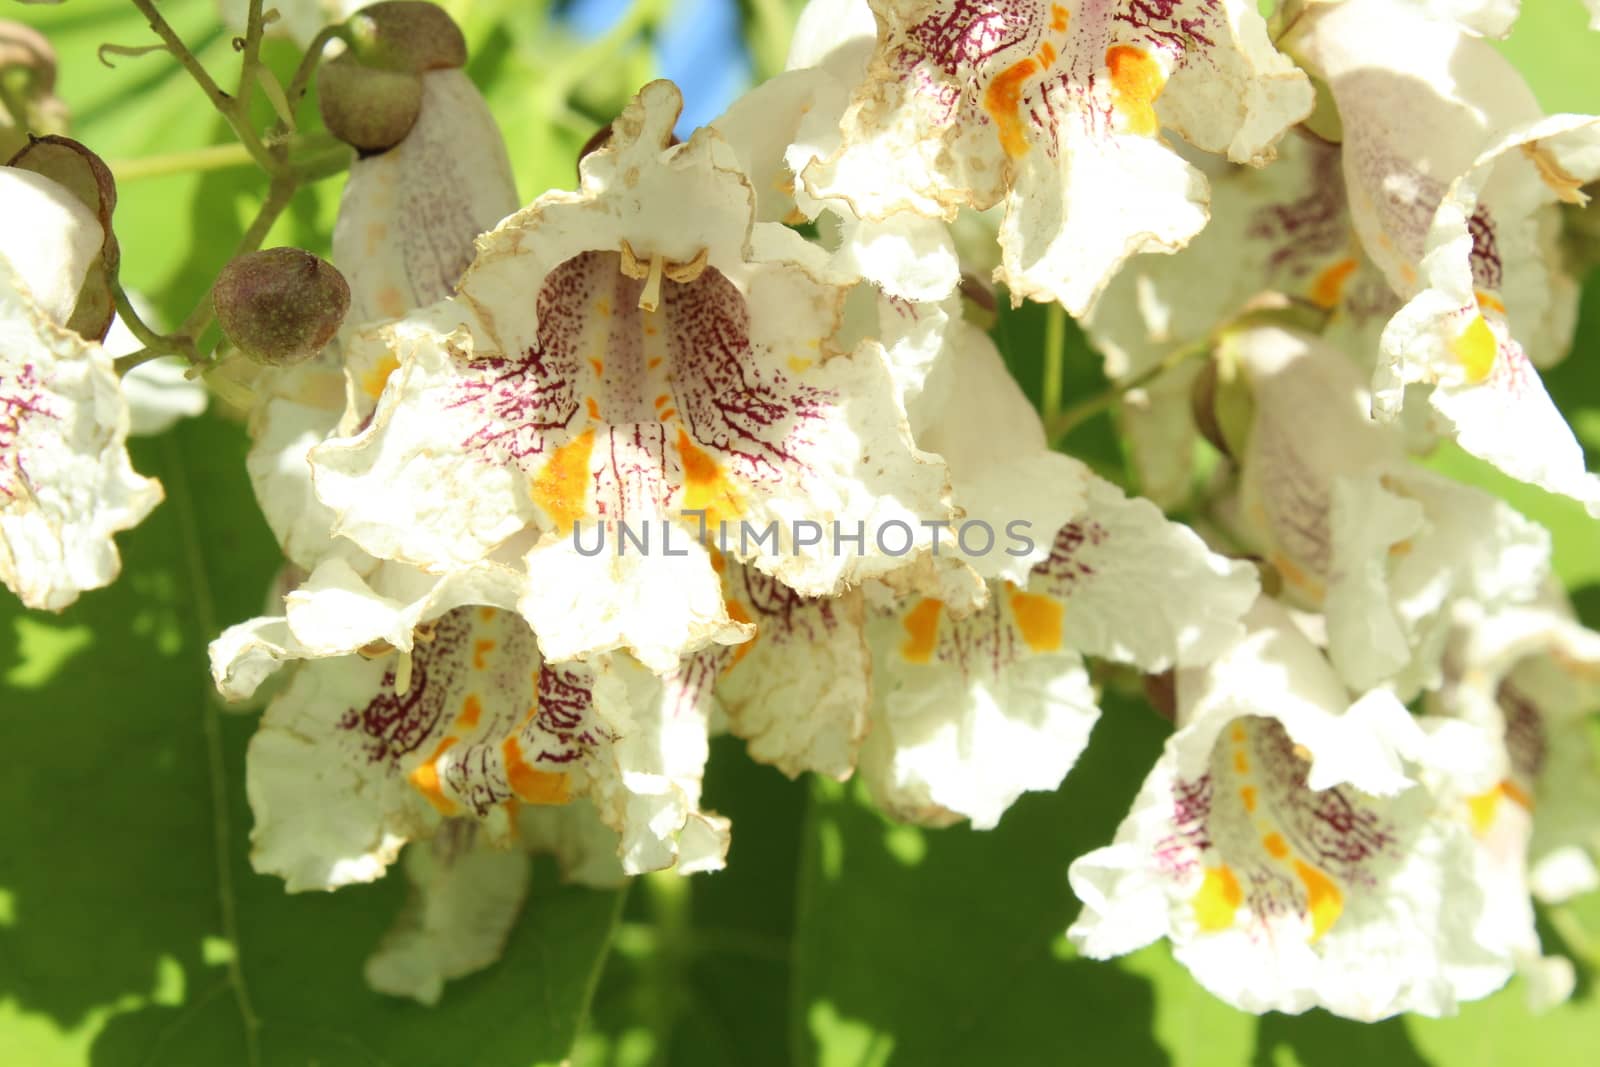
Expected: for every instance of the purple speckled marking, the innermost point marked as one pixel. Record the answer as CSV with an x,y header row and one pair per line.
x,y
1527,744
392,726
1487,271
1070,560
784,616
1307,233
1180,851
755,421
1336,828
21,397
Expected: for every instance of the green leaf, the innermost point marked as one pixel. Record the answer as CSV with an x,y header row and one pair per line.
x,y
132,929
947,946
700,973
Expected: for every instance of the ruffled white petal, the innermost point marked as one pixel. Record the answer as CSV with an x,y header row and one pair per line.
x,y
465,897
358,756
1484,259
66,484
798,691
1051,106
1286,845
971,712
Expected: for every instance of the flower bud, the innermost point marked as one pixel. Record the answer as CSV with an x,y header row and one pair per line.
x,y
369,109
1222,406
280,305
409,36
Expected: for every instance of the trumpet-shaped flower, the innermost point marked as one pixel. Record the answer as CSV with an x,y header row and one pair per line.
x,y
1451,172
1383,547
363,752
638,353
1294,846
969,713
1530,677
1056,109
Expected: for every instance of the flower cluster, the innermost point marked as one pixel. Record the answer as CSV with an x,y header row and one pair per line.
x,y
718,442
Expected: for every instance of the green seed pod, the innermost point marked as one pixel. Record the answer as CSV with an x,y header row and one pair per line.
x,y
280,305
368,109
411,36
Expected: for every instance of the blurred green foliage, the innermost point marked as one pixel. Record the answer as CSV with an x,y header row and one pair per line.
x,y
132,930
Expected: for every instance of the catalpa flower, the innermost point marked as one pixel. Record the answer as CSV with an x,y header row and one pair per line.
x,y
969,713
1284,230
1457,212
969,710
363,752
66,483
799,690
638,353
1293,846
1530,676
1382,547
1056,109
1459,333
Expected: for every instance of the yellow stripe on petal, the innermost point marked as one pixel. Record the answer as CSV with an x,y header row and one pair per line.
x,y
1323,899
1328,288
922,631
531,784
705,486
1218,900
1003,101
373,381
1038,620
561,488
1486,805
1475,348
425,779
1136,80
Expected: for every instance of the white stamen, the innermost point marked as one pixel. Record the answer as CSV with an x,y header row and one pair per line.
x,y
650,295
402,675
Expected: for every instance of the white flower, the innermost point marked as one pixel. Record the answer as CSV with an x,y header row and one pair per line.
x,y
408,217
359,755
971,710
1381,546
1283,229
969,713
1451,173
635,353
1485,276
66,484
1530,676
1291,847
1055,106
